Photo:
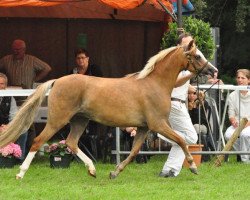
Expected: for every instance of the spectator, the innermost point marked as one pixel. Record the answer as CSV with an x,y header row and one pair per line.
x,y
83,66
92,139
214,79
199,112
23,69
214,93
216,102
217,95
8,109
238,108
127,138
179,118
194,105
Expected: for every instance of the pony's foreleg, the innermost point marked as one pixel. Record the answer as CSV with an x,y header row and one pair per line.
x,y
138,140
25,165
167,132
77,125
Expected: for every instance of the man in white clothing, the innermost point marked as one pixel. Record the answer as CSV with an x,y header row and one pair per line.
x,y
179,118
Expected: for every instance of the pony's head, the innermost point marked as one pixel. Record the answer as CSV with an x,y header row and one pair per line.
x,y
197,62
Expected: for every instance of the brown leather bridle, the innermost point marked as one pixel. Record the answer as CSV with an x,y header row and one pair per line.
x,y
191,62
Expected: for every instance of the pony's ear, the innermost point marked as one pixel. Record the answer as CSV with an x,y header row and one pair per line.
x,y
190,45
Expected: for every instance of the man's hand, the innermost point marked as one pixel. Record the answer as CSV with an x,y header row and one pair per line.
x,y
3,127
131,130
234,122
191,89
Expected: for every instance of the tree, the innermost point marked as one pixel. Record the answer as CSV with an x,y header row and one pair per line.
x,y
232,17
199,29
215,11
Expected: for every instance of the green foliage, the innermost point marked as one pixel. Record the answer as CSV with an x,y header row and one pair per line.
x,y
199,5
227,79
242,11
58,149
199,29
218,11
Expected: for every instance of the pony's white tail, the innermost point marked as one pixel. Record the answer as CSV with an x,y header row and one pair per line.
x,y
25,116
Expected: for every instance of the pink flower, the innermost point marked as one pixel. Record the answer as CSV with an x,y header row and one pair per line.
x,y
53,147
59,148
62,142
11,150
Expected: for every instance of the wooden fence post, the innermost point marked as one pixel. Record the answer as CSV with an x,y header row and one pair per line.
x,y
231,141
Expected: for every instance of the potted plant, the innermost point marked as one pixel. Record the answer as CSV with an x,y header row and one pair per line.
x,y
9,155
60,155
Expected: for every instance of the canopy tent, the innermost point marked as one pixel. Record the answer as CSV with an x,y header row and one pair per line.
x,y
96,9
109,26
122,4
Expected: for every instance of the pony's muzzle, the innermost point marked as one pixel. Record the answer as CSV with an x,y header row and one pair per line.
x,y
210,69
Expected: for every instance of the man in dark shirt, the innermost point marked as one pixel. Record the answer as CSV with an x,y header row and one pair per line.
x,y
8,109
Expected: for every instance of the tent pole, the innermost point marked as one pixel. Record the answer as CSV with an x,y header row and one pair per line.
x,y
179,16
166,10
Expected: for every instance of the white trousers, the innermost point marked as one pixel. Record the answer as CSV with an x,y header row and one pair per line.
x,y
181,123
242,143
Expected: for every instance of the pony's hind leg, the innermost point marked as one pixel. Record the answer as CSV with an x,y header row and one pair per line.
x,y
25,165
78,124
44,136
138,141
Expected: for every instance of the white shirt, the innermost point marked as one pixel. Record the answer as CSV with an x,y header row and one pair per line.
x,y
13,109
239,105
182,91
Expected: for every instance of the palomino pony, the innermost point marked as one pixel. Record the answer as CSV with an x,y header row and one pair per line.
x,y
141,100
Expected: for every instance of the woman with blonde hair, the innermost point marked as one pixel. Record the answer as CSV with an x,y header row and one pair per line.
x,y
239,107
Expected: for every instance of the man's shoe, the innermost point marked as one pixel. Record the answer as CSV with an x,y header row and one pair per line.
x,y
162,174
167,174
246,162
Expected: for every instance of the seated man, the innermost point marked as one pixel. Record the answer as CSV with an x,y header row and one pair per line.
x,y
8,109
127,137
238,108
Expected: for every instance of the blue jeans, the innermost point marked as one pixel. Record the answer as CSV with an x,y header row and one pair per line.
x,y
22,142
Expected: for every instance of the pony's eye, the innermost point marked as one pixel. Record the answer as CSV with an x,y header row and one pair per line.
x,y
197,57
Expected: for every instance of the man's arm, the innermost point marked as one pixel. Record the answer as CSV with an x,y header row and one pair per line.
x,y
42,74
181,80
42,69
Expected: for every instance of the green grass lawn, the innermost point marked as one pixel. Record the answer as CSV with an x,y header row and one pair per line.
x,y
137,181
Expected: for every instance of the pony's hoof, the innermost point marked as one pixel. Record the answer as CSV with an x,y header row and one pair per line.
x,y
194,170
112,175
18,177
92,173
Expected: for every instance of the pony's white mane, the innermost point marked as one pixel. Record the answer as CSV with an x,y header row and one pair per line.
x,y
152,61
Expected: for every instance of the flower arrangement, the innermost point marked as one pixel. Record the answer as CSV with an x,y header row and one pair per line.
x,y
58,149
11,150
